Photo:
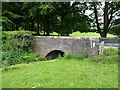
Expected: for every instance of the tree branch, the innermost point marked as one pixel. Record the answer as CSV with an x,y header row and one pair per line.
x,y
96,18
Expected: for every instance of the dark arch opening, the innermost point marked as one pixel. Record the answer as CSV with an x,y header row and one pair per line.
x,y
54,54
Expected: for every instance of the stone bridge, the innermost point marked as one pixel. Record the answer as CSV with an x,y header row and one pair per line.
x,y
52,46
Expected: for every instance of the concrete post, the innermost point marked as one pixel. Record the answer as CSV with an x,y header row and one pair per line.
x,y
101,48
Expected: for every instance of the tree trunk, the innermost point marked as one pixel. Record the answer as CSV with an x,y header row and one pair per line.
x,y
44,24
47,23
12,27
67,34
25,26
47,26
106,19
17,27
96,18
32,24
103,34
38,29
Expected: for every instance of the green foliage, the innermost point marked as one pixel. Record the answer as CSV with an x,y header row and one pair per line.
x,y
79,56
17,39
115,30
110,12
45,7
62,18
17,48
67,55
10,14
109,57
105,59
5,20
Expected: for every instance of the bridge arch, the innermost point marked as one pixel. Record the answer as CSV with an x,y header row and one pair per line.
x,y
54,54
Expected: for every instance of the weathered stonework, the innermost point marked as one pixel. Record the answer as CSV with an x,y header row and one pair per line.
x,y
45,44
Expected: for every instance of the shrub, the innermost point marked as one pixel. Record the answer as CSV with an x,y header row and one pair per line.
x,y
79,56
67,55
17,39
17,48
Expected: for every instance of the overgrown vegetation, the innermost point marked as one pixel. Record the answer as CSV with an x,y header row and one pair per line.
x,y
109,57
93,72
17,48
79,56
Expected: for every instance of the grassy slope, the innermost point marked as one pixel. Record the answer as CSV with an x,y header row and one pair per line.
x,y
61,73
89,34
78,34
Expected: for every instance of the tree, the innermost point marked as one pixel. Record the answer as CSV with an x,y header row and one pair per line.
x,y
60,17
70,18
47,12
12,14
115,29
32,17
110,10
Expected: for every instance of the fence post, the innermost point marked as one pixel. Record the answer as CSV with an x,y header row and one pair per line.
x,y
101,48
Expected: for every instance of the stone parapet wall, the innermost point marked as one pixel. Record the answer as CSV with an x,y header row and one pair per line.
x,y
45,44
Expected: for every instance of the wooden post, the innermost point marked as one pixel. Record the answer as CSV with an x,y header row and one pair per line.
x,y
101,48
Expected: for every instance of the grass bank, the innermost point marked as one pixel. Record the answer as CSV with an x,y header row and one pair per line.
x,y
93,72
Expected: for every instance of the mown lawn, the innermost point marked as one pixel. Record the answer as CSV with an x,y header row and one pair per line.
x,y
62,73
88,34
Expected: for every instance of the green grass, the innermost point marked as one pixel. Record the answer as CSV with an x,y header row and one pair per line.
x,y
62,73
89,34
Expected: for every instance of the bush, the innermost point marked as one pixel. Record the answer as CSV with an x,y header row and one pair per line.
x,y
17,39
17,48
67,55
79,56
